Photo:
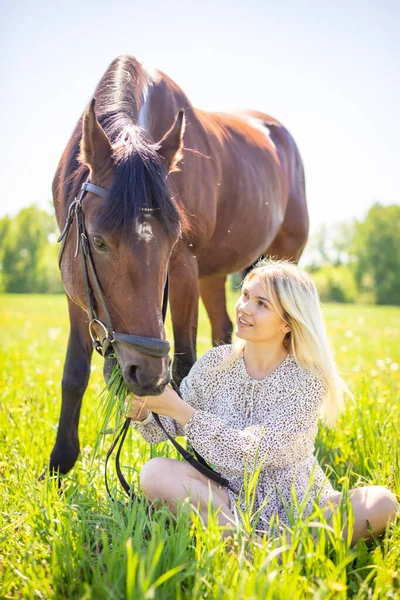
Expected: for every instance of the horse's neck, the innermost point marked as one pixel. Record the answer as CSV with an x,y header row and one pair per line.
x,y
161,100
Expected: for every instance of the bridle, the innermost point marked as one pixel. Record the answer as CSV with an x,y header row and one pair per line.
x,y
150,346
155,347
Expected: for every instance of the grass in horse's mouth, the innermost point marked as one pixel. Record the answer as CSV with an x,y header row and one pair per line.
x,y
112,406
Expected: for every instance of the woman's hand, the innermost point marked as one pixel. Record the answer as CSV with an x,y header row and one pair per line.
x,y
168,403
161,404
136,407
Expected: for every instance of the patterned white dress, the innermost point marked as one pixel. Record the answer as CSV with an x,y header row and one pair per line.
x,y
242,424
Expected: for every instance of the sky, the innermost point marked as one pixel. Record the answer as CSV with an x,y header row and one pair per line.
x,y
329,71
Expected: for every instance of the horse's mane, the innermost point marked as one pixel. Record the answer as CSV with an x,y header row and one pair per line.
x,y
140,174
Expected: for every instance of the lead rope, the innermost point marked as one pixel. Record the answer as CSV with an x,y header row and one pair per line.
x,y
124,430
198,463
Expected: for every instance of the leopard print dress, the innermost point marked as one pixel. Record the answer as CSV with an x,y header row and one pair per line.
x,y
244,426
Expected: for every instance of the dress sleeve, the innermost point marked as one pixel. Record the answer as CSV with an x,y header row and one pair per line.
x,y
287,438
190,390
153,434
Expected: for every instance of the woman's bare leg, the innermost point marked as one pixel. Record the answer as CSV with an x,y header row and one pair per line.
x,y
373,506
172,481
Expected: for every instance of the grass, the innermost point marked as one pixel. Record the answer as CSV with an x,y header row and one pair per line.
x,y
79,544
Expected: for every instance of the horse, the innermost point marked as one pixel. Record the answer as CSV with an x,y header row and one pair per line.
x,y
190,195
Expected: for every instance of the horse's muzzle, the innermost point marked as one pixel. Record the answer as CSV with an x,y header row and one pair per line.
x,y
142,382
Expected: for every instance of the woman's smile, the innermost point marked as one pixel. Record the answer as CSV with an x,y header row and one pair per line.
x,y
241,322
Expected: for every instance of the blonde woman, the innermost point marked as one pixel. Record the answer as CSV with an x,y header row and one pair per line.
x,y
255,405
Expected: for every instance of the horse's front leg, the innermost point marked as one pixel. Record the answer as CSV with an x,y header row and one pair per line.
x,y
74,383
184,303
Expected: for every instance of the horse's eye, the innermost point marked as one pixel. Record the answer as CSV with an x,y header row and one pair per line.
x,y
99,243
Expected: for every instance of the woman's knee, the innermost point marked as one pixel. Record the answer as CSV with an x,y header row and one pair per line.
x,y
386,504
375,505
154,475
373,500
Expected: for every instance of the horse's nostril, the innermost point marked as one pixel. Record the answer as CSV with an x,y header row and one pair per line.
x,y
139,379
132,374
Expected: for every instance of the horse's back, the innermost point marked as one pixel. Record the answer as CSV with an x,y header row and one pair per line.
x,y
266,134
292,236
260,179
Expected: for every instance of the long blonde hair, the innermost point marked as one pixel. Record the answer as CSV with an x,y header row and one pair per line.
x,y
307,341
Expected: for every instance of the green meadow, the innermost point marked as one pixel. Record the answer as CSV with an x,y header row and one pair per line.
x,y
79,544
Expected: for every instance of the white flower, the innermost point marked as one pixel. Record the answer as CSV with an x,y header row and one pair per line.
x,y
394,366
53,332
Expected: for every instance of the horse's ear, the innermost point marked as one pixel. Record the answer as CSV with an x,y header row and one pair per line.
x,y
96,149
171,145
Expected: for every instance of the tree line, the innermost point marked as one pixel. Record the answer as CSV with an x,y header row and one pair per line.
x,y
359,260
356,261
28,253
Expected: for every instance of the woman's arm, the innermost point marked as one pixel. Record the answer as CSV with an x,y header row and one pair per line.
x,y
153,434
142,420
174,412
287,441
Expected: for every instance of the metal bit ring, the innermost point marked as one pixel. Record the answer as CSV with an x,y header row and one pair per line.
x,y
93,333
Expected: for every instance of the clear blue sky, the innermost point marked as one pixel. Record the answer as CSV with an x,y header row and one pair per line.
x,y
328,70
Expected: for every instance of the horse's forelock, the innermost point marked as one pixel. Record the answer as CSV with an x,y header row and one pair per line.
x,y
140,177
140,182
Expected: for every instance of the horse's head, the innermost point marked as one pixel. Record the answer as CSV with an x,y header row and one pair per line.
x,y
131,235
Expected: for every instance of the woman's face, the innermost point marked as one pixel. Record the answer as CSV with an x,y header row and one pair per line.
x,y
256,317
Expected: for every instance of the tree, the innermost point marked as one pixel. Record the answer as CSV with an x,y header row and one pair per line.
x,y
24,240
329,246
5,225
335,283
377,248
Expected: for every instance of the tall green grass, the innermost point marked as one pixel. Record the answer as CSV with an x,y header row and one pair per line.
x,y
80,544
112,408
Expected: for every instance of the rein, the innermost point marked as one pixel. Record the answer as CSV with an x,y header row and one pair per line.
x,y
155,347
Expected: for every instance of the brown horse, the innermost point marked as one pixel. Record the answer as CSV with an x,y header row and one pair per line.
x,y
238,194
